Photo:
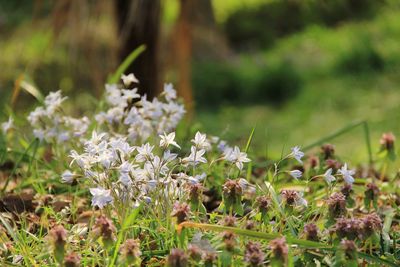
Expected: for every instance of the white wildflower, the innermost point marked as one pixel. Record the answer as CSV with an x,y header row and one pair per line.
x,y
237,157
297,154
144,153
347,174
195,157
296,174
169,91
6,126
129,79
329,178
67,177
200,141
101,197
167,140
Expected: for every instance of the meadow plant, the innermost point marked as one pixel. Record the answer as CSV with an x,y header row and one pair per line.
x,y
129,189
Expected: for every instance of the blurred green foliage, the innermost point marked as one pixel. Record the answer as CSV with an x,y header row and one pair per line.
x,y
260,26
217,84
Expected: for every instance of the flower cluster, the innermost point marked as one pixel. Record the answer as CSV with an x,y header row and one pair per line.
x,y
135,116
50,124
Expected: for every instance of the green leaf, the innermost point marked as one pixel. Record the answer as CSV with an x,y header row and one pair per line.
x,y
125,64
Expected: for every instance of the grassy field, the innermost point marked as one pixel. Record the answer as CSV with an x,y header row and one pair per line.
x,y
329,99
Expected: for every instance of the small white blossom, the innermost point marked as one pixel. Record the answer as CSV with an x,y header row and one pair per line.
x,y
236,156
6,126
145,152
200,141
195,157
296,174
101,197
129,79
67,177
167,140
347,174
169,92
297,154
329,178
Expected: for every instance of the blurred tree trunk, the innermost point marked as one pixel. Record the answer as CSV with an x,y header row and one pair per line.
x,y
183,48
139,23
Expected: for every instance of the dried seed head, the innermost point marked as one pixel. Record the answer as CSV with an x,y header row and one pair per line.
x,y
349,248
337,205
58,235
209,258
194,252
290,196
228,221
105,228
181,211
314,161
195,191
387,141
348,228
311,232
346,190
72,260
130,250
263,203
232,189
253,254
372,223
229,239
372,191
328,151
177,258
279,249
333,164
250,225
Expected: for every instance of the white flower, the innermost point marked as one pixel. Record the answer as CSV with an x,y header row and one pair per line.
x,y
200,141
128,79
101,197
237,157
296,174
195,157
145,152
130,94
347,174
67,177
167,140
329,178
6,126
169,92
297,154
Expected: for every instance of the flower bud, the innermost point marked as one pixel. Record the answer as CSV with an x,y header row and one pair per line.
x,y
387,141
253,254
105,228
209,258
229,239
194,252
349,248
58,236
311,232
131,253
279,250
336,205
177,258
228,221
72,260
328,151
371,223
181,211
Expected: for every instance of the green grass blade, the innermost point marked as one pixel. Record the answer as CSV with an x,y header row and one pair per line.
x,y
125,64
334,135
127,222
254,234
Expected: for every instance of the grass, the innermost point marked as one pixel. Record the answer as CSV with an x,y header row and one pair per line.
x,y
329,100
